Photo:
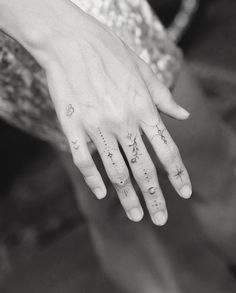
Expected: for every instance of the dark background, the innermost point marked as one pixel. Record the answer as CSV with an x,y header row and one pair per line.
x,y
38,217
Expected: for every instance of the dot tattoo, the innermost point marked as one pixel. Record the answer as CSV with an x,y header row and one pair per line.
x,y
146,175
123,186
157,206
108,151
134,146
70,110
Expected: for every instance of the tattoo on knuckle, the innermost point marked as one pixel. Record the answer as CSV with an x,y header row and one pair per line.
x,y
159,132
133,145
121,181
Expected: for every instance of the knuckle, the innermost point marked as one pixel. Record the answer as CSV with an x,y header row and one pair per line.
x,y
92,121
90,179
83,164
118,117
147,173
165,92
120,179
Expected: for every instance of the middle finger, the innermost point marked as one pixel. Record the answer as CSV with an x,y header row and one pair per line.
x,y
118,173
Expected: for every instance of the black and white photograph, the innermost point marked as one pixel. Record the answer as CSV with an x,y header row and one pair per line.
x,y
117,146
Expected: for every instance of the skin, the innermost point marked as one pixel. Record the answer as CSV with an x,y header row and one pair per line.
x,y
103,93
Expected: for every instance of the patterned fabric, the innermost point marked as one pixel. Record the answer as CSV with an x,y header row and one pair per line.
x,y
24,98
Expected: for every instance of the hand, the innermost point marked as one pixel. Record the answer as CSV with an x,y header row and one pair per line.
x,y
104,93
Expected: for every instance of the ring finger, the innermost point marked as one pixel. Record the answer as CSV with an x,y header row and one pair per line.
x,y
145,175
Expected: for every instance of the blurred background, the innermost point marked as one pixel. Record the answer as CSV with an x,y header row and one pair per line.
x,y
44,241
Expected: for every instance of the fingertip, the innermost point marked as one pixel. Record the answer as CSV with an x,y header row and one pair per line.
x,y
135,214
100,193
160,218
186,192
184,114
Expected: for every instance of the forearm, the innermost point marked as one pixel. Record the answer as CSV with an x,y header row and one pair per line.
x,y
19,18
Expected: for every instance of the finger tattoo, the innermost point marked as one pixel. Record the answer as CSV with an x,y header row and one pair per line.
x,y
123,186
134,146
152,190
70,110
157,206
179,173
75,144
108,151
159,132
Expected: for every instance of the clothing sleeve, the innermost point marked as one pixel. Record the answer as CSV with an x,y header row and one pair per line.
x,y
24,98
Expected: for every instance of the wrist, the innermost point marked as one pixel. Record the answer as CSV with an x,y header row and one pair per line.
x,y
35,24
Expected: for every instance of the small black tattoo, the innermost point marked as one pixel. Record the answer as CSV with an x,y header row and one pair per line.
x,y
108,150
157,206
152,190
159,132
179,173
122,183
135,149
147,175
70,110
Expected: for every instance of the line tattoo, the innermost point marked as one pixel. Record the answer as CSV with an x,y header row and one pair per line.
x,y
159,132
70,110
179,173
135,149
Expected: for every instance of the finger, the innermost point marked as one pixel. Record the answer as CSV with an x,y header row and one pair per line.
x,y
118,173
67,112
145,175
83,160
169,155
159,93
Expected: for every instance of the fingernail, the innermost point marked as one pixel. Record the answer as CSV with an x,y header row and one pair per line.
x,y
186,191
160,218
135,214
100,194
184,112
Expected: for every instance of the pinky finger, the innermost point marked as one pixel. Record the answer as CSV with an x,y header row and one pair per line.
x,y
83,160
